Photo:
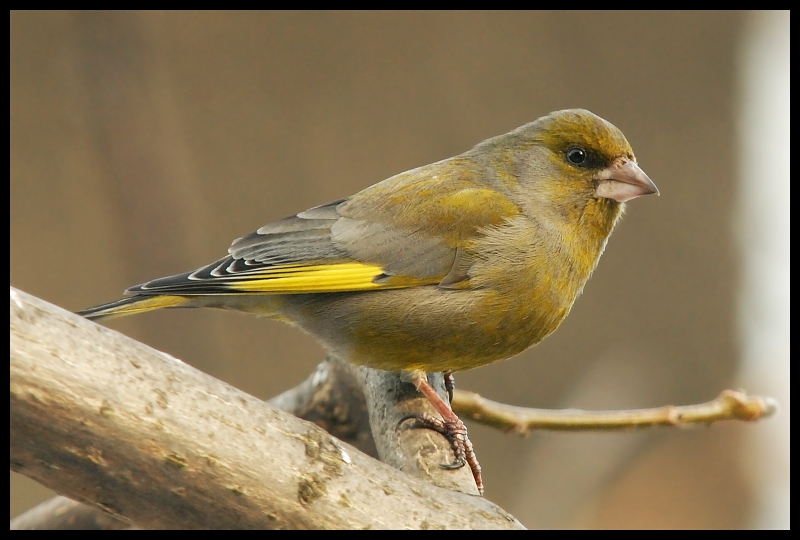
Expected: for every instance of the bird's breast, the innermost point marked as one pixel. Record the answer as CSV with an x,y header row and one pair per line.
x,y
521,287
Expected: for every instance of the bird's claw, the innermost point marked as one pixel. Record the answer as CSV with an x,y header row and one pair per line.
x,y
455,432
449,384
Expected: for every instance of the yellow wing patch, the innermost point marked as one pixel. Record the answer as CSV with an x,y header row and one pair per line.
x,y
322,278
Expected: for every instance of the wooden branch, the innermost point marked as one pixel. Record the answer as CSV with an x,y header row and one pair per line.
x,y
420,452
730,405
106,420
336,397
333,398
364,407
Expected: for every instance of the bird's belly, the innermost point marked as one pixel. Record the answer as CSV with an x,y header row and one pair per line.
x,y
424,328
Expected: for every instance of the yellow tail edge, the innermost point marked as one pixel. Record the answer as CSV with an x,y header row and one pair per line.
x,y
132,306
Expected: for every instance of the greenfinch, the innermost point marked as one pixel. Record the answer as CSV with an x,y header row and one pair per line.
x,y
446,267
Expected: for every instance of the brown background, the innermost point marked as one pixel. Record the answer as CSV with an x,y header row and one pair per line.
x,y
143,143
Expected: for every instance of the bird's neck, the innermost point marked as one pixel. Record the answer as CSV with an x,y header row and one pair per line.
x,y
580,243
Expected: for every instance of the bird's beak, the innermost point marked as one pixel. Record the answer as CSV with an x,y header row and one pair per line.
x,y
622,181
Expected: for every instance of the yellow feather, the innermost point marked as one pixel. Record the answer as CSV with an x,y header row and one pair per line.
x,y
316,279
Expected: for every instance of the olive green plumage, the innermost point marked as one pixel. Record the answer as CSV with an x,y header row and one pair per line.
x,y
445,267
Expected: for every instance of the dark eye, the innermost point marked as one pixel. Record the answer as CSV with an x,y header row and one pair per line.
x,y
576,155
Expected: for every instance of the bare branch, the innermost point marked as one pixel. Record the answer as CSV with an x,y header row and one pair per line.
x,y
730,405
341,398
333,398
356,404
106,420
420,452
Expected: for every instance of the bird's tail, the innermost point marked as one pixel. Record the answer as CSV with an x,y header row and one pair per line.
x,y
132,306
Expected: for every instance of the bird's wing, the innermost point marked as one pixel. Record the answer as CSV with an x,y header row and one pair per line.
x,y
408,231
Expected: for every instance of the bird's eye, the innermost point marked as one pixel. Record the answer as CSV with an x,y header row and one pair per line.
x,y
576,155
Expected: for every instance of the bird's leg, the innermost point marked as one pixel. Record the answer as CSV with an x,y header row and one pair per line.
x,y
449,385
450,426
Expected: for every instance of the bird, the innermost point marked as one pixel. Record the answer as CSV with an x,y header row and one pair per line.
x,y
446,267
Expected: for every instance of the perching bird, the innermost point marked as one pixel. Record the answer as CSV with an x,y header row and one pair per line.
x,y
446,267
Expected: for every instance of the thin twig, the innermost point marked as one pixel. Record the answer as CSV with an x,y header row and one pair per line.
x,y
730,405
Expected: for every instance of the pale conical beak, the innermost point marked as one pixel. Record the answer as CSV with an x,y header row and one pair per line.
x,y
622,181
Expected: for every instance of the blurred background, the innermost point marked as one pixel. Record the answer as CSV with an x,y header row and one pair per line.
x,y
143,143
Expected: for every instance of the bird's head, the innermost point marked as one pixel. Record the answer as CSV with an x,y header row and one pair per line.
x,y
568,162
